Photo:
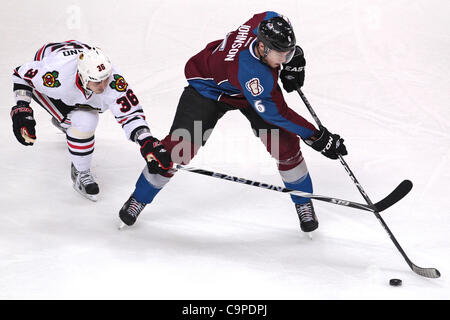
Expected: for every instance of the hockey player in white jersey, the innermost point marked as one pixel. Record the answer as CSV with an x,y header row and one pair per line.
x,y
74,82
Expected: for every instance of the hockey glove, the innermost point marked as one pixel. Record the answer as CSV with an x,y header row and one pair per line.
x,y
158,159
330,145
293,74
23,123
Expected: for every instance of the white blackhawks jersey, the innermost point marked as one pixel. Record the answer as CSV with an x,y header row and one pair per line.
x,y
53,74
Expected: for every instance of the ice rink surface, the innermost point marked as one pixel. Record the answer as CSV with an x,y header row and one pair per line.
x,y
377,74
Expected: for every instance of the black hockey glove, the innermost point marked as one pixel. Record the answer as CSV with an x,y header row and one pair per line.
x,y
330,145
293,74
158,159
23,123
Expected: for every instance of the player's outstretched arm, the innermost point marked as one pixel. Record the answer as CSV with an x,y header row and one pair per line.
x,y
157,157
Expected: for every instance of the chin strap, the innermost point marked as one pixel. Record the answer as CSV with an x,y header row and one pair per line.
x,y
87,92
266,52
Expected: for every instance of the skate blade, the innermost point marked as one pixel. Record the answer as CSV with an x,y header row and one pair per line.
x,y
121,225
92,197
309,234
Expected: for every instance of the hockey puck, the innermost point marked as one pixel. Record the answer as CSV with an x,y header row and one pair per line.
x,y
395,282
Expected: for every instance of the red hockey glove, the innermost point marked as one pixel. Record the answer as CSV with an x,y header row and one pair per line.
x,y
158,159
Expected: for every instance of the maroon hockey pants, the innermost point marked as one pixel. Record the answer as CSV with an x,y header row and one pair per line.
x,y
196,116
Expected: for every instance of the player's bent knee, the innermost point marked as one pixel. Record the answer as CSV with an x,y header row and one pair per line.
x,y
74,132
84,123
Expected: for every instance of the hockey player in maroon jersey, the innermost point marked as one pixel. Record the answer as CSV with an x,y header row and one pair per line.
x,y
75,82
241,73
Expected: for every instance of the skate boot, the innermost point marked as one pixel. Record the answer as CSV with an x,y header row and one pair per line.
x,y
84,183
307,216
58,125
131,210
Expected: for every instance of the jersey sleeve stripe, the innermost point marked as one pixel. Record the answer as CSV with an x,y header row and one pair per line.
x,y
132,119
47,105
128,115
39,53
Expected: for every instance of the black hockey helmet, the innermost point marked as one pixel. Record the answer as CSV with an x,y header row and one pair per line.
x,y
276,33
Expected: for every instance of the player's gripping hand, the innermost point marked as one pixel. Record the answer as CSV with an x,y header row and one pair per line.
x,y
158,159
23,123
293,74
330,145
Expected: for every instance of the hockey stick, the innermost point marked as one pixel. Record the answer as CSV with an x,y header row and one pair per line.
x,y
425,272
401,190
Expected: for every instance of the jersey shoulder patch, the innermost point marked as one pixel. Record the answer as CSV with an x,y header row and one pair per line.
x,y
119,84
51,79
255,77
254,87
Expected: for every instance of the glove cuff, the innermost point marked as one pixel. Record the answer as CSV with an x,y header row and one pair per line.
x,y
19,108
138,133
143,138
319,140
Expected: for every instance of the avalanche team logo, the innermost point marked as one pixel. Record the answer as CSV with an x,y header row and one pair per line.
x,y
119,83
50,79
254,87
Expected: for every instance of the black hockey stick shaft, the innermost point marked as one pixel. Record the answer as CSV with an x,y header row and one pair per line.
x,y
267,186
425,272
386,202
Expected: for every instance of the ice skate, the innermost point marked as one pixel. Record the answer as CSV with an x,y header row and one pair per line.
x,y
307,217
84,183
130,211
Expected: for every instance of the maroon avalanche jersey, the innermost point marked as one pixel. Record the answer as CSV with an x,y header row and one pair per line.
x,y
229,71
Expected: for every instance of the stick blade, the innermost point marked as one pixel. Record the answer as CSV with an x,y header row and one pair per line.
x,y
426,272
399,193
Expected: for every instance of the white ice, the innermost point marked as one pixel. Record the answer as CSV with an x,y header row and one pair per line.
x,y
377,73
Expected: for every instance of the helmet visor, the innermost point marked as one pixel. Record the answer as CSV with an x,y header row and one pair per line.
x,y
290,55
282,57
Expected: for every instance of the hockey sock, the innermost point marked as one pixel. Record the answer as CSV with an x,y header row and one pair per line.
x,y
80,137
303,184
81,152
148,185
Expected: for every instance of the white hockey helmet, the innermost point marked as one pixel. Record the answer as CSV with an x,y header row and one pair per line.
x,y
93,65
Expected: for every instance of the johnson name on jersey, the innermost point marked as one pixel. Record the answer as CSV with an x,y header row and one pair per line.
x,y
229,70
